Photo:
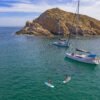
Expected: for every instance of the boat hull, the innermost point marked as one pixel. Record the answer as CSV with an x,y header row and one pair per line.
x,y
60,45
82,59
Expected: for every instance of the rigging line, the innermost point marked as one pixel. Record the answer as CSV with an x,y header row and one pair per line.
x,y
77,23
75,18
75,14
72,24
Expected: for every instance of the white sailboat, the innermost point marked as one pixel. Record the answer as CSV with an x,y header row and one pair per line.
x,y
84,56
90,59
61,42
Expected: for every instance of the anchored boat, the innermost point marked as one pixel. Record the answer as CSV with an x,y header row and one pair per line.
x,y
80,54
90,59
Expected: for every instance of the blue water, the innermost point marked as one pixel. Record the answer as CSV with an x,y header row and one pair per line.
x,y
26,62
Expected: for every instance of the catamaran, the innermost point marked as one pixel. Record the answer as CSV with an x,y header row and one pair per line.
x,y
80,54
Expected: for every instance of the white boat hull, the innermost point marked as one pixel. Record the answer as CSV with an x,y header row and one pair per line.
x,y
62,44
83,59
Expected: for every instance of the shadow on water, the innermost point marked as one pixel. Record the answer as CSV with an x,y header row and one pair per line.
x,y
80,64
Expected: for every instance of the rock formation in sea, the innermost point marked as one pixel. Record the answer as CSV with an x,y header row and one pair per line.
x,y
58,22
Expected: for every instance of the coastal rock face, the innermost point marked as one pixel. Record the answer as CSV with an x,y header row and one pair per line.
x,y
33,28
58,22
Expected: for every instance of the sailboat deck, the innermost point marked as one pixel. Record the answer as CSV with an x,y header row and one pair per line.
x,y
82,58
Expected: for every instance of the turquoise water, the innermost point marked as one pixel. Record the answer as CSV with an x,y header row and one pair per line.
x,y
26,62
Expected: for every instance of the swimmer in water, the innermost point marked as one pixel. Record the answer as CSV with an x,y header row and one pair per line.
x,y
66,76
49,81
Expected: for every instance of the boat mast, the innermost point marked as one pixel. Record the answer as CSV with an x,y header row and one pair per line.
x,y
78,5
78,9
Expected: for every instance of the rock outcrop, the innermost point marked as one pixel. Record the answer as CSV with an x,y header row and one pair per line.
x,y
58,22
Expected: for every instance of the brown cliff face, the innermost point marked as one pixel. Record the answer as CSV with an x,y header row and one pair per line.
x,y
51,21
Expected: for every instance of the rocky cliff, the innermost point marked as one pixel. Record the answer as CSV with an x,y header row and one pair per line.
x,y
58,22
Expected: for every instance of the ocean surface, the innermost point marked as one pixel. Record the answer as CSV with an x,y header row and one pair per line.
x,y
26,62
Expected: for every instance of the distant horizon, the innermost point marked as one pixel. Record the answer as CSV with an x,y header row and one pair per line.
x,y
17,12
11,26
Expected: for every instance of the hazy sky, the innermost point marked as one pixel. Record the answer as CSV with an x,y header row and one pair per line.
x,y
17,12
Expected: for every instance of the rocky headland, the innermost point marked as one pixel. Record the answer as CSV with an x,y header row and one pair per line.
x,y
58,22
